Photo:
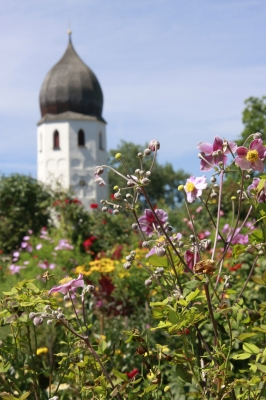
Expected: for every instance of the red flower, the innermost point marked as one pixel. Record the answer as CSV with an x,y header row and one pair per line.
x,y
112,196
94,205
77,201
235,267
132,373
88,242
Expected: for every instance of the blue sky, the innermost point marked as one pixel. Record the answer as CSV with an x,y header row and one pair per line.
x,y
172,70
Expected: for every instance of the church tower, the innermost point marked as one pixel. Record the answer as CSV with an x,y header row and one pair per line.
x,y
71,136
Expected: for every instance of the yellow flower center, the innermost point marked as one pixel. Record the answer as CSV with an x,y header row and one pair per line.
x,y
65,280
190,187
252,155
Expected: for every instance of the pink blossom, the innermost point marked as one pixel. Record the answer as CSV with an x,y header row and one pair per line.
x,y
148,222
68,284
194,187
39,246
252,157
199,209
15,269
215,153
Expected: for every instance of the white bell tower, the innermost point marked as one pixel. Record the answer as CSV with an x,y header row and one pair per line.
x,y
71,134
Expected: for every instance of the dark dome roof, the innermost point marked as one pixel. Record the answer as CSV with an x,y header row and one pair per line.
x,y
71,86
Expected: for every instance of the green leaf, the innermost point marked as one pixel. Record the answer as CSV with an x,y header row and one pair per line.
x,y
24,396
261,367
192,295
11,293
251,348
238,249
242,356
244,336
256,236
258,280
151,388
102,346
157,261
172,317
120,375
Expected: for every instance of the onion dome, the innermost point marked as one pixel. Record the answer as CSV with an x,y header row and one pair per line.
x,y
71,86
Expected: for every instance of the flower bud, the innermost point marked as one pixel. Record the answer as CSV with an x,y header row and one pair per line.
x,y
145,245
130,257
180,187
134,226
118,155
137,171
145,181
130,183
90,288
133,253
116,212
247,177
128,195
49,321
99,171
160,251
148,173
154,145
213,179
257,135
47,308
32,315
37,321
233,198
60,316
66,297
127,265
148,282
213,195
104,209
140,155
147,152
117,195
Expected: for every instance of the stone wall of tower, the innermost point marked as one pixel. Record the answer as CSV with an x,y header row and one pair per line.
x,y
72,165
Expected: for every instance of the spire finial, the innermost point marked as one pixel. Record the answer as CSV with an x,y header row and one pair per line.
x,y
69,32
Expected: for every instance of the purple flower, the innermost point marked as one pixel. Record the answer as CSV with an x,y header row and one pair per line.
x,y
148,222
39,246
252,189
64,245
16,254
215,153
194,187
68,284
252,157
15,269
26,238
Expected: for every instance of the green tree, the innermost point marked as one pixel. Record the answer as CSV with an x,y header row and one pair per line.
x,y
164,179
254,118
24,205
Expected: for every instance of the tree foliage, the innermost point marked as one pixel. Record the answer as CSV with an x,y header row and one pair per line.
x,y
254,118
164,179
24,205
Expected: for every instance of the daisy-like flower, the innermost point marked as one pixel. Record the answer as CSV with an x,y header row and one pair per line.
x,y
68,284
252,157
214,153
194,187
148,222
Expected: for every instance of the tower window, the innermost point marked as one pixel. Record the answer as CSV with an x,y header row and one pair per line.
x,y
81,138
56,140
101,141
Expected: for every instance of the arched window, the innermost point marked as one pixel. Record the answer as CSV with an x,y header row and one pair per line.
x,y
101,141
56,140
81,138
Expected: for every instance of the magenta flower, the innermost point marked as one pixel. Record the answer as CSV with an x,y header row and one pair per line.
x,y
39,246
214,153
189,259
15,269
148,222
68,284
194,187
64,245
252,157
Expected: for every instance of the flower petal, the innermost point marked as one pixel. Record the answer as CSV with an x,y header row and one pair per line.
x,y
205,147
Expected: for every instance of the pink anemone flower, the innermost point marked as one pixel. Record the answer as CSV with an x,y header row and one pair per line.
x,y
148,222
252,157
68,284
214,153
194,187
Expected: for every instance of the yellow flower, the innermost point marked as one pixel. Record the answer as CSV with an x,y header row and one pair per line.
x,y
41,350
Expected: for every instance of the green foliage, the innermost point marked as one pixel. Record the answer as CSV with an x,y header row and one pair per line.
x,y
24,205
165,179
254,118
